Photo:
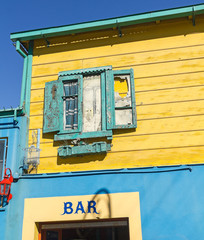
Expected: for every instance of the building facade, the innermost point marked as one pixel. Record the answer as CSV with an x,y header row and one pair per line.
x,y
112,125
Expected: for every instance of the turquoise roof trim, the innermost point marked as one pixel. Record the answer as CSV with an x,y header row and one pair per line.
x,y
9,112
108,23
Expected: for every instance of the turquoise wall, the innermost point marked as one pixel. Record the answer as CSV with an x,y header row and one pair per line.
x,y
15,133
171,199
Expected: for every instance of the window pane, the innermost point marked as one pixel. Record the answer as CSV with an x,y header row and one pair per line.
x,y
122,91
51,235
122,96
2,143
123,116
71,105
92,103
7,189
2,188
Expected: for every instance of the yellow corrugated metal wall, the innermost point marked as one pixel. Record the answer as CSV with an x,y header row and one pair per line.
x,y
168,63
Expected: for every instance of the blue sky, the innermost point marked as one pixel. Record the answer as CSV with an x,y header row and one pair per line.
x,y
31,14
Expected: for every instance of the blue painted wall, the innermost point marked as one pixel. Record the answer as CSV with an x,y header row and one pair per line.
x,y
15,135
171,202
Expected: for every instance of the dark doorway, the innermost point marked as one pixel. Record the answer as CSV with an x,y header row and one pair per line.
x,y
117,229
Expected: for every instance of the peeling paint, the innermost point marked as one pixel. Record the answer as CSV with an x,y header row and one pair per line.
x,y
54,89
122,96
92,103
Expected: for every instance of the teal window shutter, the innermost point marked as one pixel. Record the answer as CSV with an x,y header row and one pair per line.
x,y
52,106
110,115
121,106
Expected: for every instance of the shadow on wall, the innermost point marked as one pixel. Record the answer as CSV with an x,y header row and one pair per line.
x,y
81,159
102,202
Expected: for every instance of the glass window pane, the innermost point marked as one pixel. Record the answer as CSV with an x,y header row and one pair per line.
x,y
71,105
7,189
51,235
2,188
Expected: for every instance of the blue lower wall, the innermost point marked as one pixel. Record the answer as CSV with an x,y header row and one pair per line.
x,y
172,202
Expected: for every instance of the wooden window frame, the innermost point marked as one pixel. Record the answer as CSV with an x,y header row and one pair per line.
x,y
107,103
59,226
70,135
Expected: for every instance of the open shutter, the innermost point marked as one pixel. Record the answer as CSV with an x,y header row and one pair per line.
x,y
52,106
122,99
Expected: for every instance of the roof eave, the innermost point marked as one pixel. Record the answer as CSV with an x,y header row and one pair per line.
x,y
109,23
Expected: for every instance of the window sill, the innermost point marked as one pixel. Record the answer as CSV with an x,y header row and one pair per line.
x,y
97,147
68,136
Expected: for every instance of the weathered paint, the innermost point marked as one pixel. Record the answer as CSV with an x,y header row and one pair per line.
x,y
52,102
92,104
96,147
127,117
168,71
14,133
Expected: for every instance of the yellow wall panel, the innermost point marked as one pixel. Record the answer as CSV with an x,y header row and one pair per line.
x,y
172,95
140,71
56,68
37,95
145,111
39,82
36,108
36,122
146,58
148,127
167,59
140,158
143,83
169,81
151,97
146,37
143,142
